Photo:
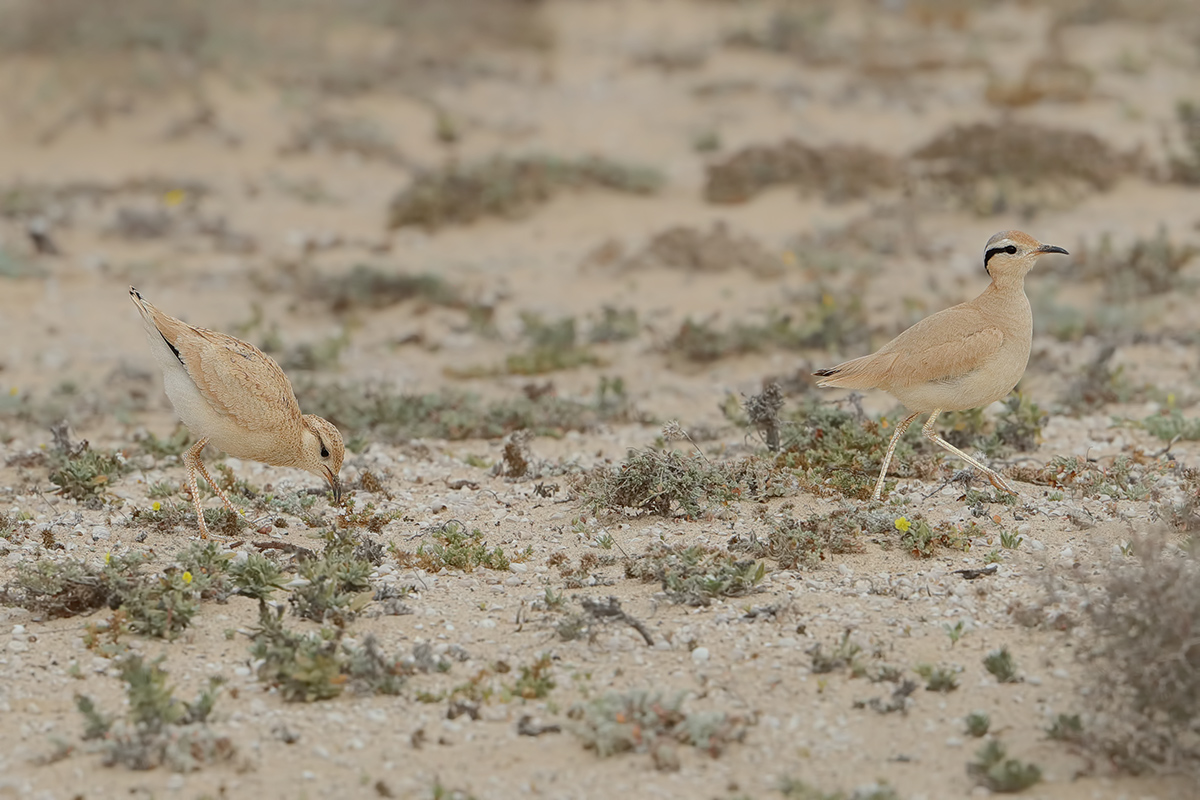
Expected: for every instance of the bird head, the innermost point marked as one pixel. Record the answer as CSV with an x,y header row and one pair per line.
x,y
1010,254
321,451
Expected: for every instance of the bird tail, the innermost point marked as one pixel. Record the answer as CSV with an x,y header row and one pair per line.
x,y
859,373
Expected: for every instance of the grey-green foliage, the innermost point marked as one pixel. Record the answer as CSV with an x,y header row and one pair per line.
x,y
157,729
644,721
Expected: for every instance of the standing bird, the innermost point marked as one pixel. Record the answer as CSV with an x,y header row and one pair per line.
x,y
964,357
229,393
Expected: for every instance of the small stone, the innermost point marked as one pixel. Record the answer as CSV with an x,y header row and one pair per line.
x,y
175,782
100,533
700,655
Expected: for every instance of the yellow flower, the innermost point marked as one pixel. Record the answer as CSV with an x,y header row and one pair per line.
x,y
174,197
108,557
13,391
902,524
187,577
157,506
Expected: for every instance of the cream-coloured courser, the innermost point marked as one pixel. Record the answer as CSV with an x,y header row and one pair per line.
x,y
965,357
229,393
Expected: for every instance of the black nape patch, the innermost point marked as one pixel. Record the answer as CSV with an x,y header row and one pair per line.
x,y
173,350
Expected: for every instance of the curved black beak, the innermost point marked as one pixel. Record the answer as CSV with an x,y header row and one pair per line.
x,y
1049,248
334,484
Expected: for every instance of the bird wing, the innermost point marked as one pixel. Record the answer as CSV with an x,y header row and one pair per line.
x,y
940,347
234,376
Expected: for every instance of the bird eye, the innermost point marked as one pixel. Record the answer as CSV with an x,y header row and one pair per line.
x,y
324,451
1011,249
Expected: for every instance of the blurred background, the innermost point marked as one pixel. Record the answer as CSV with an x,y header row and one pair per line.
x,y
648,206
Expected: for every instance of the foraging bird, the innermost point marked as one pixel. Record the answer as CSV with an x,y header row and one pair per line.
x,y
229,393
964,357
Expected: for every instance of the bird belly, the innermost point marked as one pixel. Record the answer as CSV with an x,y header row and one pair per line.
x,y
973,389
193,409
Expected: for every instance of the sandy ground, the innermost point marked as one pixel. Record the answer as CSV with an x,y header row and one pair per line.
x,y
637,82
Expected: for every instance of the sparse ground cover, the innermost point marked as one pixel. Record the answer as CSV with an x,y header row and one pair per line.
x,y
559,272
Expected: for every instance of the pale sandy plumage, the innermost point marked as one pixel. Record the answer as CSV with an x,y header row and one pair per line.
x,y
964,357
232,395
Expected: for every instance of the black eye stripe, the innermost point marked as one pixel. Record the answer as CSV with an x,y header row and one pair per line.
x,y
1010,250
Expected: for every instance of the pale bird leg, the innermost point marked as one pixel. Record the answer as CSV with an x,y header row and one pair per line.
x,y
224,498
887,459
993,476
191,461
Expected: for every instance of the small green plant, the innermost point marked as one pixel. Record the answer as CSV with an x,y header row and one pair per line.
x,y
1001,665
158,728
955,632
939,678
1066,728
917,538
451,546
84,474
978,724
1010,540
696,575
993,769
535,681
336,585
256,576
844,655
1170,425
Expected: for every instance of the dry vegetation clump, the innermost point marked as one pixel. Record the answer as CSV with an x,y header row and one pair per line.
x,y
668,483
1126,478
508,187
717,250
641,721
838,172
1143,658
1018,168
368,286
1148,266
833,451
374,412
802,544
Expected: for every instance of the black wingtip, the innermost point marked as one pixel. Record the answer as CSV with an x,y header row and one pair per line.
x,y
825,373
